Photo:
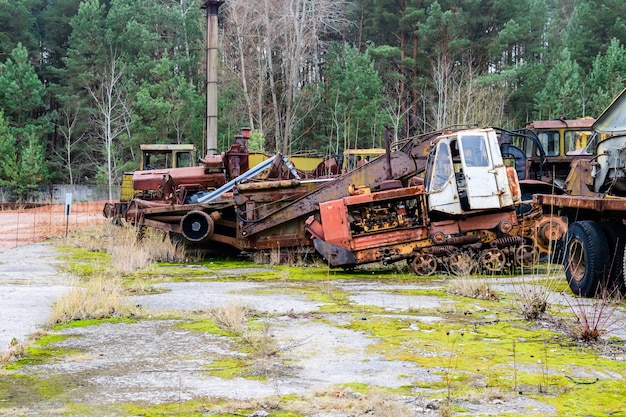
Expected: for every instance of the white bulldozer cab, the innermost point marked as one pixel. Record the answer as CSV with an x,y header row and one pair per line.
x,y
466,172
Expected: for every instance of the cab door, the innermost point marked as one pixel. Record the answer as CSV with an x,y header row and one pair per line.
x,y
440,182
482,187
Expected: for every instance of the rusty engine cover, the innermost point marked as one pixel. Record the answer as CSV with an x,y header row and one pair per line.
x,y
160,184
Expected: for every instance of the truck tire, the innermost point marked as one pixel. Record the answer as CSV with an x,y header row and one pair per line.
x,y
615,234
586,257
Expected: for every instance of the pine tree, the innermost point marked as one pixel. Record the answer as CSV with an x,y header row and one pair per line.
x,y
21,134
353,99
21,91
563,95
607,77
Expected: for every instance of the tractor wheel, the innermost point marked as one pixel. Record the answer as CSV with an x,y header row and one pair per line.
x,y
586,257
526,256
424,264
461,264
492,260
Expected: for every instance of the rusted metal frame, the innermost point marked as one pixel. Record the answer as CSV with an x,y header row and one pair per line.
x,y
388,195
267,185
216,194
486,221
231,241
388,238
468,224
269,242
598,204
257,203
156,224
389,254
371,174
175,228
181,208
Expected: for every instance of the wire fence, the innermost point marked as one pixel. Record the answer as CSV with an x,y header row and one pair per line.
x,y
28,224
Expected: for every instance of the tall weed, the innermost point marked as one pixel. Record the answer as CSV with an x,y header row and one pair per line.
x,y
131,248
593,318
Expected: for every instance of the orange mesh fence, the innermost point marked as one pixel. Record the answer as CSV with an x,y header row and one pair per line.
x,y
22,226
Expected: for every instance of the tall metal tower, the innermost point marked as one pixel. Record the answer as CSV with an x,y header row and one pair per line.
x,y
212,8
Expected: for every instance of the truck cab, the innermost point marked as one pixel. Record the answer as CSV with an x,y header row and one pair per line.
x,y
164,156
564,142
465,171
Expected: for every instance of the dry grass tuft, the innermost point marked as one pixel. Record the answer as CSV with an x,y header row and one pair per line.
x,y
99,298
533,293
465,285
340,401
15,351
375,403
256,337
233,318
473,288
532,300
131,248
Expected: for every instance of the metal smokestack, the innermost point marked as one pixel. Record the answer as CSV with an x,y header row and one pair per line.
x,y
212,7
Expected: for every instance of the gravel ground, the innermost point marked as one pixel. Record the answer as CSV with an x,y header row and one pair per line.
x,y
29,285
159,361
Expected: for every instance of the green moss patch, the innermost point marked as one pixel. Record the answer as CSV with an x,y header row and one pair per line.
x,y
42,350
84,263
92,322
28,389
513,356
207,326
229,368
196,408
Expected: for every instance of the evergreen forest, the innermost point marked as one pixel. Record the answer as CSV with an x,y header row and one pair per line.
x,y
83,83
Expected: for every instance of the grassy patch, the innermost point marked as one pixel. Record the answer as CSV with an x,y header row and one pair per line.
x,y
91,322
207,326
229,368
26,389
513,356
101,297
84,263
601,398
194,408
128,248
40,351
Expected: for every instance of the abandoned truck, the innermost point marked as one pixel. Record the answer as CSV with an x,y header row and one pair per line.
x,y
462,217
439,208
594,247
264,208
554,146
464,210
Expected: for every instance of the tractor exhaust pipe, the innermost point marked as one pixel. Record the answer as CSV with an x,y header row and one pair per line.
x,y
212,8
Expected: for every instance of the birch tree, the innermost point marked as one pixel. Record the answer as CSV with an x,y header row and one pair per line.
x,y
67,126
273,48
111,116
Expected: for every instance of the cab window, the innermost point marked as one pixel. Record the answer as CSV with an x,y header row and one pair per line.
x,y
524,144
550,142
441,167
183,159
157,160
576,142
474,151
